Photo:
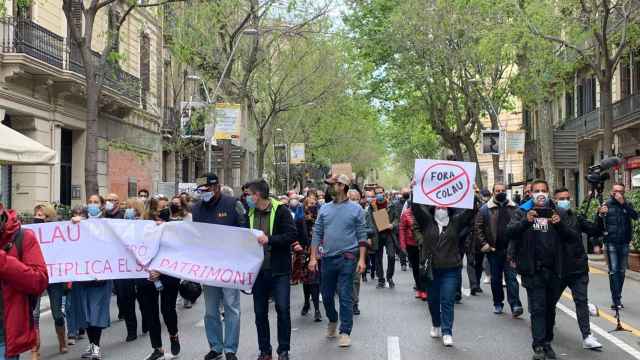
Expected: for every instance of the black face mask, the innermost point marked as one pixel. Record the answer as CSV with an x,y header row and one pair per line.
x,y
406,196
501,197
38,221
164,214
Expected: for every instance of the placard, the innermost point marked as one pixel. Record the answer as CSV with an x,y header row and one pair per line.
x,y
381,218
444,183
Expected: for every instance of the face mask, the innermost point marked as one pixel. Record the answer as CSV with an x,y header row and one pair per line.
x,y
93,209
109,206
142,198
540,198
164,214
564,204
442,217
294,203
250,202
321,201
406,196
501,197
130,214
206,196
38,221
380,198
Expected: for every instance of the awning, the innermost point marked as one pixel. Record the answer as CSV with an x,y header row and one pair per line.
x,y
18,149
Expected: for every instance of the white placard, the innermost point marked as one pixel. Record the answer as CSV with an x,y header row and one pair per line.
x,y
444,183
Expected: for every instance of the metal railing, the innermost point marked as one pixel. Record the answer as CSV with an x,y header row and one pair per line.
x,y
625,107
584,124
623,111
23,36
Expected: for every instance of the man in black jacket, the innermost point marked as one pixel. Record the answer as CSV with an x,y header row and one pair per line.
x,y
279,232
576,269
536,233
615,222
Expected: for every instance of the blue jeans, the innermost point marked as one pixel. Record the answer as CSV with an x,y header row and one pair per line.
x,y
280,288
3,349
337,276
618,255
230,298
499,266
442,293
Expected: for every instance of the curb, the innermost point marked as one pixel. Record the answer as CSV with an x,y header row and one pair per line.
x,y
602,265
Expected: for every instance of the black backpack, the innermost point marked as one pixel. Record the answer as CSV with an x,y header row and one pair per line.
x,y
18,243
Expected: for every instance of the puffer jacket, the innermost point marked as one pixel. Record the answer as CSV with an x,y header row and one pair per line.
x,y
576,260
616,224
444,249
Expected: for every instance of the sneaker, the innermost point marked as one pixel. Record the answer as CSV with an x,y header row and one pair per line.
x,y
305,310
317,317
71,340
474,292
590,342
364,277
538,353
423,295
87,353
404,267
231,356
213,355
95,353
391,284
517,311
283,355
447,340
356,310
435,332
380,285
345,340
155,355
487,280
175,345
332,330
264,356
549,354
418,294
498,309
187,304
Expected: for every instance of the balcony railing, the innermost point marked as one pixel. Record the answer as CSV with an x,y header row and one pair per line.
x,y
623,113
584,124
24,36
625,107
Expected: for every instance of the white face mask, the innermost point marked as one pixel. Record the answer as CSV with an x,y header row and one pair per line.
x,y
442,217
540,198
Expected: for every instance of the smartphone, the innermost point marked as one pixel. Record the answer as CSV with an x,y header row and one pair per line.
x,y
544,213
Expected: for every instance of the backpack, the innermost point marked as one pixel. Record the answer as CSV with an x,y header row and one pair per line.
x,y
18,243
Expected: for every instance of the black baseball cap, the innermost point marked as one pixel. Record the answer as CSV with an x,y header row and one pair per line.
x,y
208,179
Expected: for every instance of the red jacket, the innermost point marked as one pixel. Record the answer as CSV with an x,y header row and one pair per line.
x,y
406,229
19,279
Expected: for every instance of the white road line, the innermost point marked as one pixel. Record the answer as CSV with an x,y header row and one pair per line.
x,y
393,348
200,324
595,328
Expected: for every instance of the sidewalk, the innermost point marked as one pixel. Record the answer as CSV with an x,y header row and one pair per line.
x,y
598,262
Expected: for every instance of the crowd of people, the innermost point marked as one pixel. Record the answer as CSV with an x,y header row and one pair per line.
x,y
329,241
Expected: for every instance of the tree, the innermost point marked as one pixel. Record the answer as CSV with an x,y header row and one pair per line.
x,y
597,33
96,68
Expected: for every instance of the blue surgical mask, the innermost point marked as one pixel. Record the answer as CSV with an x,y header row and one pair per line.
x,y
93,209
130,214
380,197
564,204
250,203
206,196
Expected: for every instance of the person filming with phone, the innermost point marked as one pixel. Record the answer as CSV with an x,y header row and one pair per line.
x,y
537,231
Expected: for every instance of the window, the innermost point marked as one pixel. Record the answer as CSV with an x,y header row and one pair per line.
x,y
185,170
114,18
145,67
568,105
580,93
66,159
132,187
636,71
625,78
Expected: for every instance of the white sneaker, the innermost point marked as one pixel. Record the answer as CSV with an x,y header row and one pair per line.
x,y
487,280
590,342
87,353
95,354
447,340
436,332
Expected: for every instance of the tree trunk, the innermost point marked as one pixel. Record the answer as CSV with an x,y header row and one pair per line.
x,y
473,157
495,159
606,116
91,133
260,152
545,144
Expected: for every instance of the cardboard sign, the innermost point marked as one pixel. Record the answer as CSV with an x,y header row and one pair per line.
x,y
342,169
444,183
381,218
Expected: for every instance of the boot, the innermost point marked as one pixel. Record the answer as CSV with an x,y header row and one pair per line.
x,y
62,339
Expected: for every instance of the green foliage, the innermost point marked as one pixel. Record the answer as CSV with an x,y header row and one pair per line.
x,y
634,198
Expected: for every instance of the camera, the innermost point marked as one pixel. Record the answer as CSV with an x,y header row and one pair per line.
x,y
597,174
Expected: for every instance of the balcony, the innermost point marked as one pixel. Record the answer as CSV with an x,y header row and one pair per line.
x,y
625,112
23,36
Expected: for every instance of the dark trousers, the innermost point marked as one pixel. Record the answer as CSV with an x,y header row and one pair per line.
x,y
386,242
474,270
372,260
542,291
413,253
401,254
279,287
579,284
151,307
312,291
56,292
499,267
126,295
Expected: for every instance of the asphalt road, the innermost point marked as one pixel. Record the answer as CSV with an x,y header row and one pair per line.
x,y
394,326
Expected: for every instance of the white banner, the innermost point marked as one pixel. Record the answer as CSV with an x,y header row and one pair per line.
x,y
105,249
444,183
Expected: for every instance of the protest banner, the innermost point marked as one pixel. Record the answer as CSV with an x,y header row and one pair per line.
x,y
444,183
381,218
106,249
342,169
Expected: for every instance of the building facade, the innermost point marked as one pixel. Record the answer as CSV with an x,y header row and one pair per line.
x,y
42,95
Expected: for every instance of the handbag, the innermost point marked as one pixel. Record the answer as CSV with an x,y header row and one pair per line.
x,y
426,274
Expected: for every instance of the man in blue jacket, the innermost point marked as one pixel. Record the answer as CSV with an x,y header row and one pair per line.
x,y
615,222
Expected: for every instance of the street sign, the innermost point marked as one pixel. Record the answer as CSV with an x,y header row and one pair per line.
x,y
444,183
228,121
297,154
515,141
490,142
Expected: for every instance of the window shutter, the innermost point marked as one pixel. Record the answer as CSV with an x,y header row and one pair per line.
x,y
145,67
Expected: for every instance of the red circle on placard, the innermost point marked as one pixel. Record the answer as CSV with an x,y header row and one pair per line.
x,y
428,195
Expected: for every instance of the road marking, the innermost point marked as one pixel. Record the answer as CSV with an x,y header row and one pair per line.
x,y
596,271
200,324
609,318
598,330
393,348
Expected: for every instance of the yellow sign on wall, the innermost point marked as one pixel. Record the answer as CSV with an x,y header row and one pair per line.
x,y
228,121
